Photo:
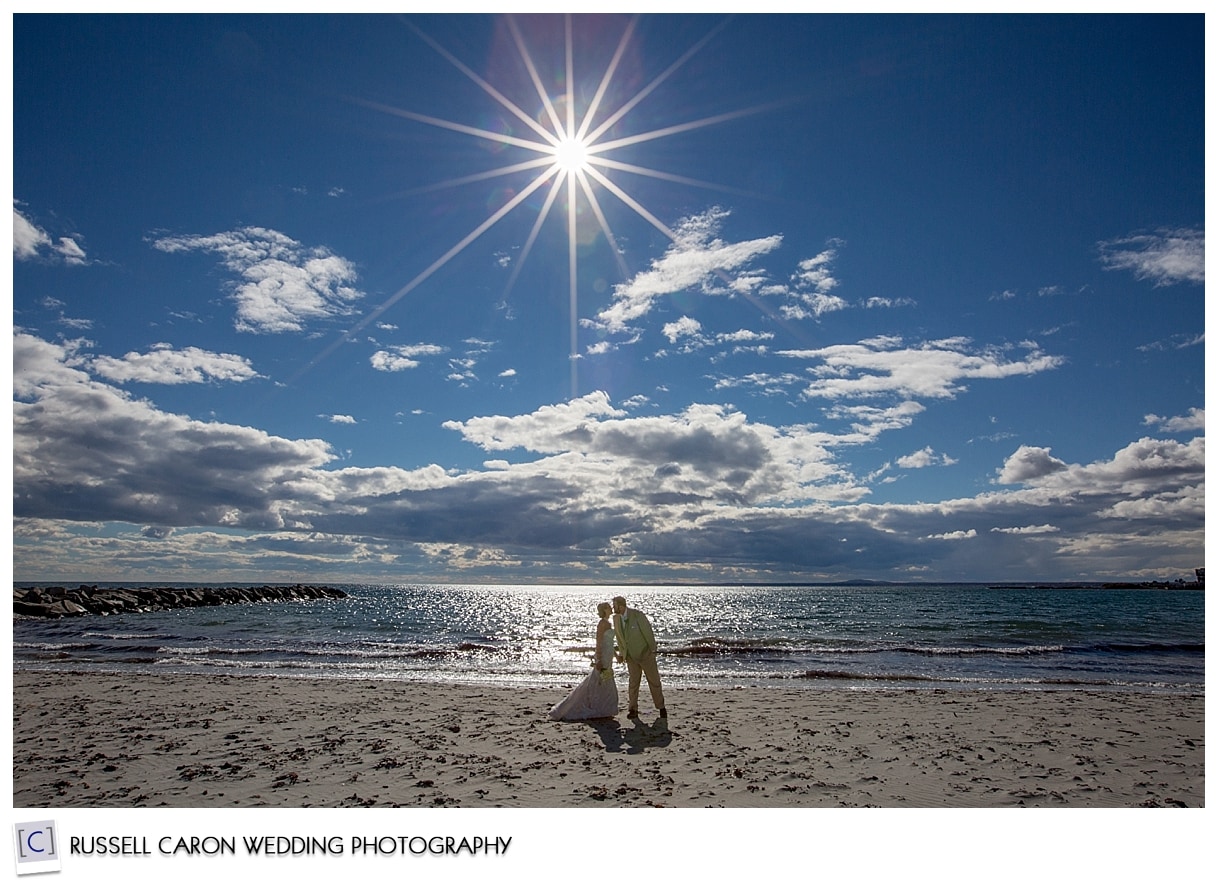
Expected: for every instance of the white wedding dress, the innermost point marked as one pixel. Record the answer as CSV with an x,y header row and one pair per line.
x,y
596,696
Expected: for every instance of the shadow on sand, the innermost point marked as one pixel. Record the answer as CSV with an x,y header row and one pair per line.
x,y
638,738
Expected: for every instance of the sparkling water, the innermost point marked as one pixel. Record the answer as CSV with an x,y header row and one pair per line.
x,y
839,636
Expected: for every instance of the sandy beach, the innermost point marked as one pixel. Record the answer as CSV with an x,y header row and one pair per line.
x,y
116,740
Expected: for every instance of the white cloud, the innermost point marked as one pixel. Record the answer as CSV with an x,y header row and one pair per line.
x,y
706,484
935,369
813,306
71,252
743,336
86,449
30,240
1028,464
507,373
342,418
847,375
682,327
27,238
166,365
462,370
1140,467
888,302
706,454
924,458
694,260
699,260
1193,421
810,288
690,331
1165,257
550,429
283,284
867,421
814,273
954,535
764,383
1176,341
401,358
1029,530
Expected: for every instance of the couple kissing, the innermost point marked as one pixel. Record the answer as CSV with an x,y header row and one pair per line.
x,y
596,695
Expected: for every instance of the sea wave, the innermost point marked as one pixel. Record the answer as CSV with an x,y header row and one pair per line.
x,y
981,650
717,647
122,636
334,651
45,646
1124,648
990,681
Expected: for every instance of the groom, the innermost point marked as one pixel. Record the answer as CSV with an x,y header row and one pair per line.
x,y
636,645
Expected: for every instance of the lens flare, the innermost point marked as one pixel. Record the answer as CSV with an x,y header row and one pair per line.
x,y
572,146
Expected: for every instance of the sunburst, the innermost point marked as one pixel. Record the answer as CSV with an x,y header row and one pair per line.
x,y
571,155
574,158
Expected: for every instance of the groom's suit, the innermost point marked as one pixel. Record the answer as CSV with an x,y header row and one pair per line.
x,y
637,644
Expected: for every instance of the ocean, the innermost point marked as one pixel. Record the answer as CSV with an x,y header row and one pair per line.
x,y
814,637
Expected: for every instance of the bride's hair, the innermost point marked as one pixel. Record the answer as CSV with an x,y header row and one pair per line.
x,y
603,609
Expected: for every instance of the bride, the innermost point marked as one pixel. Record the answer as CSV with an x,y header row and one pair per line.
x,y
596,696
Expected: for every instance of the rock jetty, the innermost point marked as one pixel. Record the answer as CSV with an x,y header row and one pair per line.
x,y
57,602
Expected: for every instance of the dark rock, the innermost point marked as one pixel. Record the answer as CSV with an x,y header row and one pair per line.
x,y
90,600
24,608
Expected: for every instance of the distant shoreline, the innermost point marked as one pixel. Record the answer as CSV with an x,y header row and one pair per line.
x,y
1110,586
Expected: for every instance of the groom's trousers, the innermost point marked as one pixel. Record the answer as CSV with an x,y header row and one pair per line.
x,y
637,668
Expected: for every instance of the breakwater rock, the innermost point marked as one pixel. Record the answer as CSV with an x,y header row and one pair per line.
x,y
56,602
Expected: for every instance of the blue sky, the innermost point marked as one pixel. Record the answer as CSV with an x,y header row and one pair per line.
x,y
887,297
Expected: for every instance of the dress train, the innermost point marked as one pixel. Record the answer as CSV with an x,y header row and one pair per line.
x,y
596,695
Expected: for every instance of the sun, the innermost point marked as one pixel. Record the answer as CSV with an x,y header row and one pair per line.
x,y
571,155
571,159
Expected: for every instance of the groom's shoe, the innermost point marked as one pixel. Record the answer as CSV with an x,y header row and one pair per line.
x,y
663,713
632,714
